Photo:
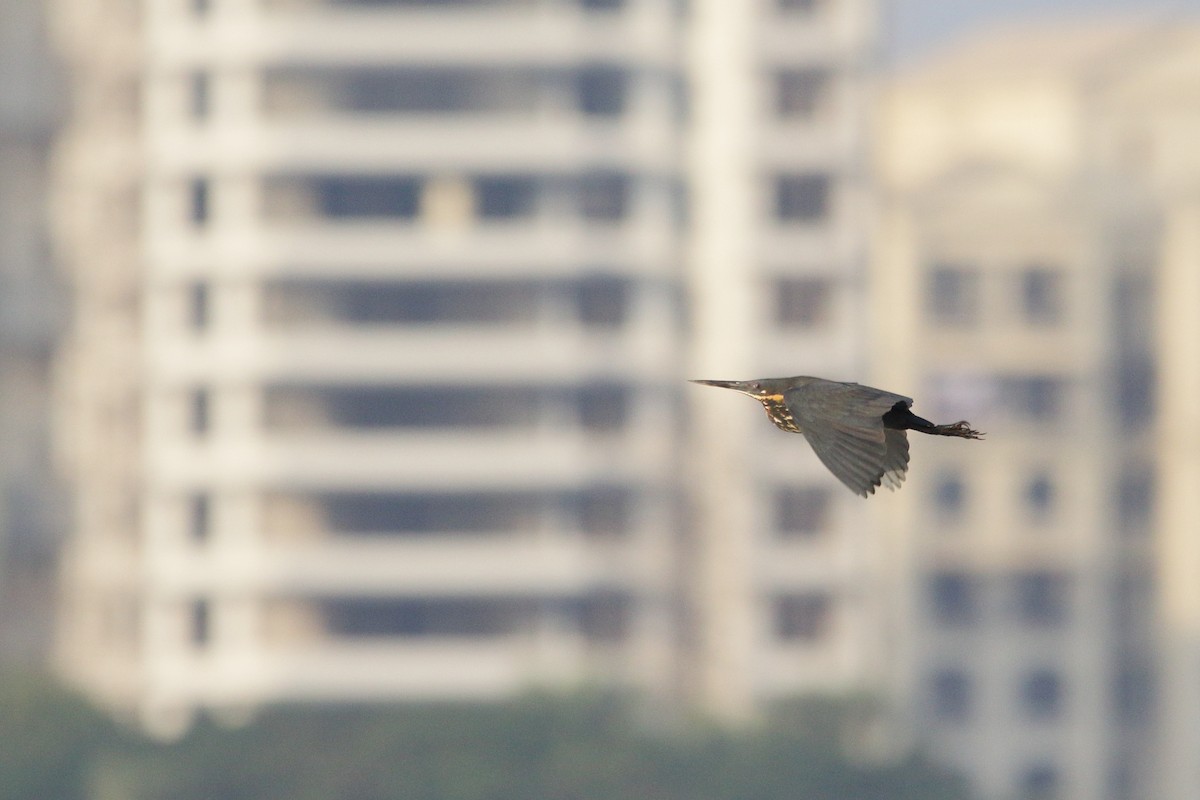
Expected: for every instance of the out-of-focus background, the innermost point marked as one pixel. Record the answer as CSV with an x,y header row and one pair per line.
x,y
345,446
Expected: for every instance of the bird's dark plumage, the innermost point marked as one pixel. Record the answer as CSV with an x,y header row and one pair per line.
x,y
857,431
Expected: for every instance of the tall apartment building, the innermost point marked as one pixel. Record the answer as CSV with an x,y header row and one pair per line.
x,y
788,574
1035,216
375,388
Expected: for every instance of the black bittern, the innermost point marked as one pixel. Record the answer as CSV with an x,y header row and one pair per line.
x,y
857,431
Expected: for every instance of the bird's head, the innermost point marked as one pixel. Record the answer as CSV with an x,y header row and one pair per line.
x,y
760,389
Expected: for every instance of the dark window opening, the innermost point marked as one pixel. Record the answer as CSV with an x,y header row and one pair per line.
x,y
1134,693
1040,495
802,511
372,617
1035,398
1040,782
951,695
505,197
950,496
605,616
601,91
797,6
198,306
802,198
1042,598
803,302
1042,694
199,95
1042,296
347,197
802,617
199,412
604,512
199,511
199,623
953,598
603,407
604,197
1135,497
370,303
953,295
603,302
199,202
802,93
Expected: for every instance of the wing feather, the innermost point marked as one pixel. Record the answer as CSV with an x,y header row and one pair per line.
x,y
843,423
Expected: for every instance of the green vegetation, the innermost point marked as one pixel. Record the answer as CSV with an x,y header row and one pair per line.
x,y
536,748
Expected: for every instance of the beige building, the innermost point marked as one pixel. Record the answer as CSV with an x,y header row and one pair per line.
x,y
1036,273
375,384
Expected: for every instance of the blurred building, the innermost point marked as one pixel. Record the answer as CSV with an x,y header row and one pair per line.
x,y
29,319
1038,205
787,564
374,389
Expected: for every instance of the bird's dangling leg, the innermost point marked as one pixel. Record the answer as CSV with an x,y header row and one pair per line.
x,y
900,418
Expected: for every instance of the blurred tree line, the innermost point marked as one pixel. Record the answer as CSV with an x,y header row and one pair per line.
x,y
584,747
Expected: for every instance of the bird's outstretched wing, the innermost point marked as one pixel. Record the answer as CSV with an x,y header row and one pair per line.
x,y
844,424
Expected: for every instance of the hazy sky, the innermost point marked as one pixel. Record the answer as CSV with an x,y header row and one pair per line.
x,y
913,27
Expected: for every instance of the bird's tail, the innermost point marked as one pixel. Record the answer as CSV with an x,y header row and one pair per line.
x,y
961,429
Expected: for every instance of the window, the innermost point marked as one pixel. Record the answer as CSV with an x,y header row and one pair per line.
x,y
797,6
604,511
803,302
802,511
362,617
801,93
199,412
198,306
1035,398
505,197
604,616
1040,782
199,512
953,295
604,197
1039,495
1041,296
951,695
953,598
199,623
349,197
802,198
199,96
950,497
1042,694
199,202
601,91
1041,598
603,408
1133,692
1135,497
802,617
602,302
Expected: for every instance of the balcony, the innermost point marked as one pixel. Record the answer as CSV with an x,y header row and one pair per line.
x,y
415,461
552,33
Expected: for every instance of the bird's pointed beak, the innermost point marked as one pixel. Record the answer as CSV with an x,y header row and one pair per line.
x,y
737,386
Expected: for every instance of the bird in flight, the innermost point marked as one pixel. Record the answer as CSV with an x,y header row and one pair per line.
x,y
857,431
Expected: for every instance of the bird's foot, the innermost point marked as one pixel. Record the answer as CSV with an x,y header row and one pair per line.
x,y
961,429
